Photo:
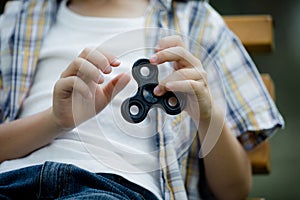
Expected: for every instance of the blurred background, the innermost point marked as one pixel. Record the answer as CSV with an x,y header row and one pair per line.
x,y
284,66
283,183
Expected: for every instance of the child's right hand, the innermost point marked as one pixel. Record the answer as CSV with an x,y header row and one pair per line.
x,y
78,94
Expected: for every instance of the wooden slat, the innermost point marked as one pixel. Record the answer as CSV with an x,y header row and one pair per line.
x,y
260,158
255,31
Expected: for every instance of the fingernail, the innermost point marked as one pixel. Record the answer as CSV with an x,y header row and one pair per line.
x,y
157,90
100,79
107,69
153,59
115,62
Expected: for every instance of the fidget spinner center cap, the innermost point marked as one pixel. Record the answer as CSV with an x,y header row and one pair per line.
x,y
148,94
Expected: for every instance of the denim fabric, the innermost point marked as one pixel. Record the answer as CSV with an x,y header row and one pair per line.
x,y
64,181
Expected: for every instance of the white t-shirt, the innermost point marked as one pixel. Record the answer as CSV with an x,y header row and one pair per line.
x,y
105,143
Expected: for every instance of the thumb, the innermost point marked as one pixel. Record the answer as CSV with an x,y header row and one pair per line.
x,y
115,86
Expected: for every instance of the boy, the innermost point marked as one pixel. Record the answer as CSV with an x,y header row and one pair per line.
x,y
46,132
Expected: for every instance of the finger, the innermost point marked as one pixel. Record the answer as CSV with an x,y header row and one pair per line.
x,y
198,91
116,85
180,75
188,86
175,54
64,87
102,60
83,69
169,41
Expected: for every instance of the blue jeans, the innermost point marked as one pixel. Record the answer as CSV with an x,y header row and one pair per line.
x,y
64,181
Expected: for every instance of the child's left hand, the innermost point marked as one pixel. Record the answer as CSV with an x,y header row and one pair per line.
x,y
188,77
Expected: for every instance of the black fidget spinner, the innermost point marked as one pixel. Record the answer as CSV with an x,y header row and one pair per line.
x,y
136,108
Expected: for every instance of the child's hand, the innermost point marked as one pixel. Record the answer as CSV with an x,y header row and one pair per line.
x,y
78,94
188,77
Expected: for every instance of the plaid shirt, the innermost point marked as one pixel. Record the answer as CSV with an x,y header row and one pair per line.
x,y
251,113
